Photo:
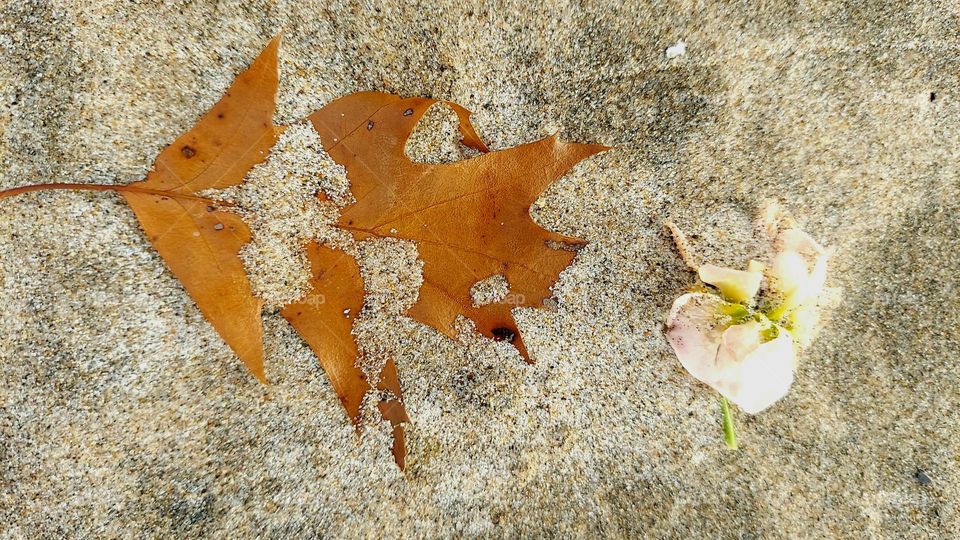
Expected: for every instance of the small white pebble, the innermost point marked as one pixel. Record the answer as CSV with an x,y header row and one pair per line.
x,y
674,51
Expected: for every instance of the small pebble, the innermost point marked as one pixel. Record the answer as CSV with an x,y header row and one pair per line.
x,y
677,50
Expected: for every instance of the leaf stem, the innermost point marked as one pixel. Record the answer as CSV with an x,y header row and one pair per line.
x,y
729,432
60,185
129,188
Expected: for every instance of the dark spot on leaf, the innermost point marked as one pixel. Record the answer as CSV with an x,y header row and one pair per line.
x,y
188,152
219,115
369,125
408,112
503,333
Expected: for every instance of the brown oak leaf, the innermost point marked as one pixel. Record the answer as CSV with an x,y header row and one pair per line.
x,y
470,219
198,242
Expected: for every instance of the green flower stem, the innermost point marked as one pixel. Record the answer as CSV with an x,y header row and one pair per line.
x,y
729,433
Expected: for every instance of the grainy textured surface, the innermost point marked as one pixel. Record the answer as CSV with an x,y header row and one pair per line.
x,y
124,414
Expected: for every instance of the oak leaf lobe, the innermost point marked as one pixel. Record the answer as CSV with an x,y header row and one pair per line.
x,y
198,243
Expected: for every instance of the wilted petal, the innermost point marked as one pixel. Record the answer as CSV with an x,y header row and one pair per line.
x,y
799,241
735,285
731,359
799,271
694,328
737,342
804,322
751,374
790,272
818,278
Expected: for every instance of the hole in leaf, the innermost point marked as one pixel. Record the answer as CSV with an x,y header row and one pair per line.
x,y
503,333
436,138
489,290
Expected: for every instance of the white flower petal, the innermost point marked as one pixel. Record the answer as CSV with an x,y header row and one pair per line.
x,y
731,359
818,278
694,329
789,272
798,273
799,241
735,285
804,322
737,342
759,379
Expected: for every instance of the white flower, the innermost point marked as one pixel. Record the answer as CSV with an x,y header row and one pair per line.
x,y
741,347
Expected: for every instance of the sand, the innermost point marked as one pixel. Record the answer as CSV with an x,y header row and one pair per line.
x,y
125,415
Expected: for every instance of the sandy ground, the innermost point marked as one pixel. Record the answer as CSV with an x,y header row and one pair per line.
x,y
125,415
